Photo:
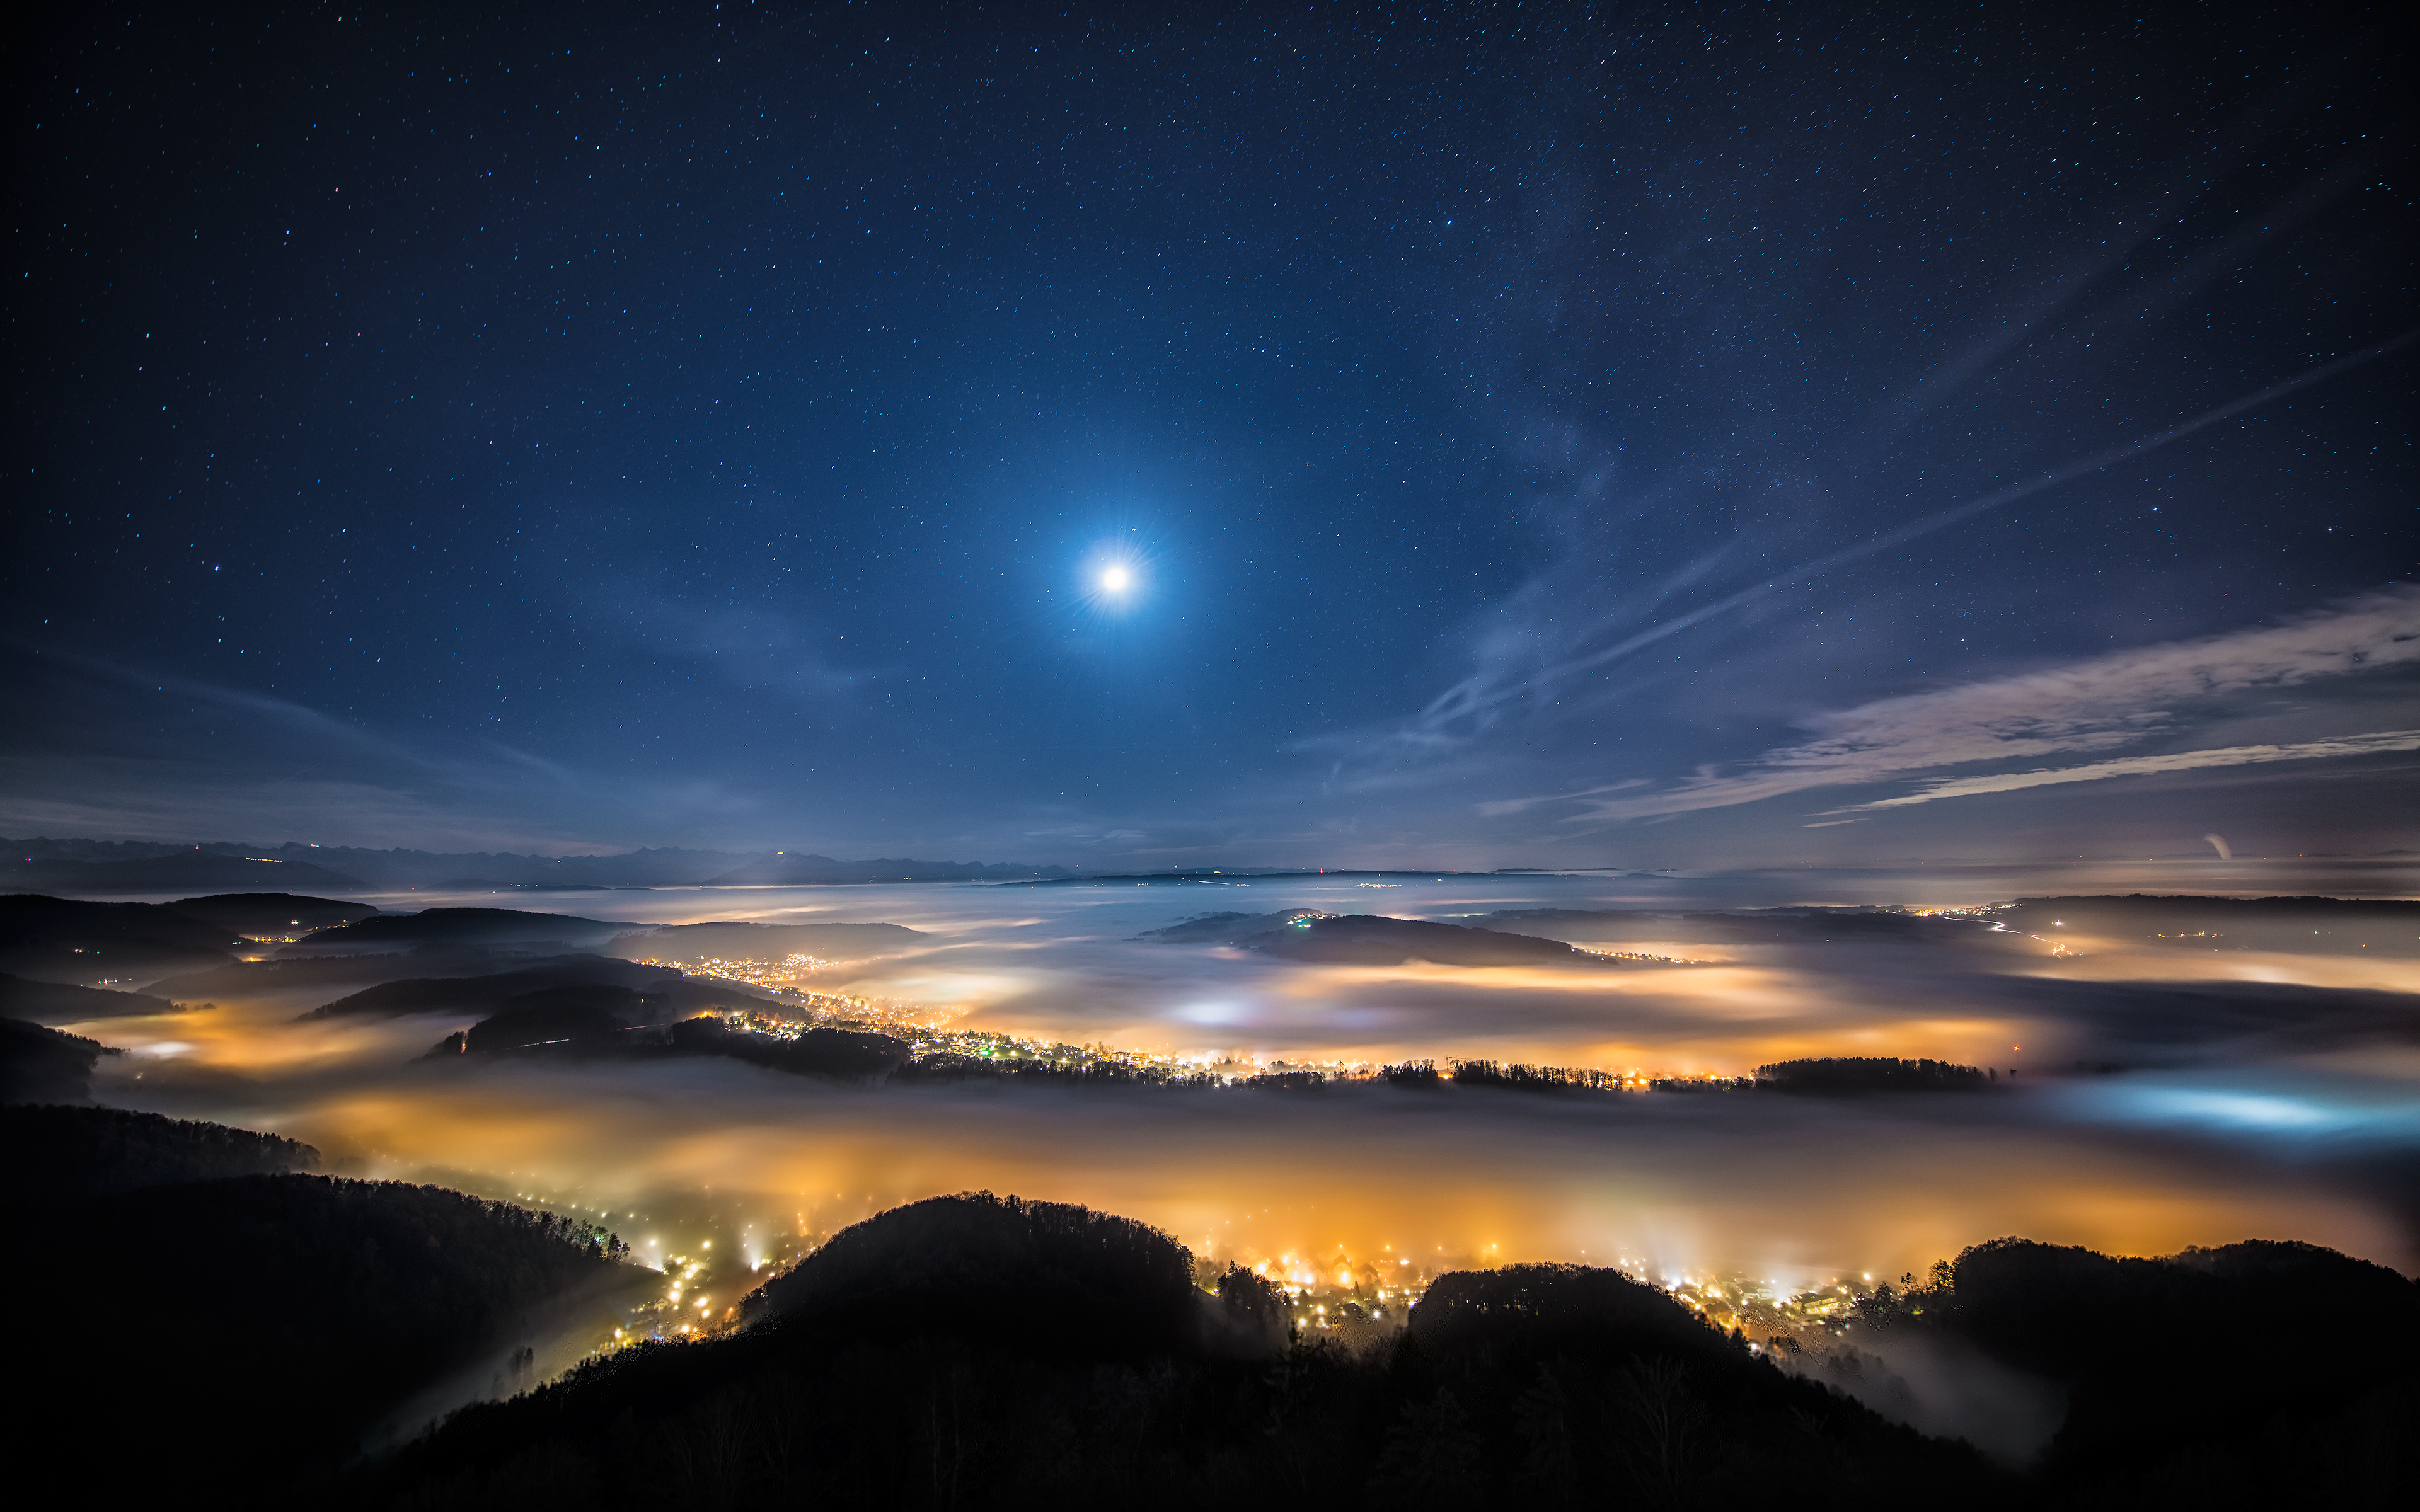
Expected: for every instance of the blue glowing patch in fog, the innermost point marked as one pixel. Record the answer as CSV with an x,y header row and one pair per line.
x,y
2311,1107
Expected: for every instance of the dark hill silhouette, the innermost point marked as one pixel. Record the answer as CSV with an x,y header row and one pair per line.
x,y
740,941
88,944
51,1002
252,1325
2304,925
2153,1023
843,1055
267,914
2263,1373
456,927
981,1351
1367,939
1854,1075
1535,1310
59,1153
659,996
614,1021
242,978
1044,1274
40,1065
1681,1415
1362,939
484,994
679,995
577,1017
1221,929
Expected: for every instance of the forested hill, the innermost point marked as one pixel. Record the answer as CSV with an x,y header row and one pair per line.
x,y
244,1323
42,1065
981,1351
66,1154
975,1351
1371,939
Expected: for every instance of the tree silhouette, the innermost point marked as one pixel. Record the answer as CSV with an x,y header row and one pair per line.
x,y
1431,1460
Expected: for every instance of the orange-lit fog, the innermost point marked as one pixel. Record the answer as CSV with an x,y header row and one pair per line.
x,y
680,1152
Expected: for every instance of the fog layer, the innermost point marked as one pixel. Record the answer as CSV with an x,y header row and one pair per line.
x,y
2153,1092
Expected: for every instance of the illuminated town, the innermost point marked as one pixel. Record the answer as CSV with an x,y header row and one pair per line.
x,y
1353,1301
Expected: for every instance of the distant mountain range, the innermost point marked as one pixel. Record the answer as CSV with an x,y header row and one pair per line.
x,y
186,870
101,867
802,868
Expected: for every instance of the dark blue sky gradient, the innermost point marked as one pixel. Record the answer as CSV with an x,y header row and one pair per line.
x,y
590,427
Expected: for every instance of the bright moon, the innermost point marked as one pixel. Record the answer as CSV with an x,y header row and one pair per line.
x,y
1114,579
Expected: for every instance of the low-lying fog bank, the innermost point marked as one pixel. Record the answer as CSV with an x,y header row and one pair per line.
x,y
2231,1086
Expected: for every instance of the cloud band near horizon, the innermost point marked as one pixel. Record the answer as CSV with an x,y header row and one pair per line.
x,y
2095,706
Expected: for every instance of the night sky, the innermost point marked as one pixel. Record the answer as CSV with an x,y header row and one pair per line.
x,y
1532,434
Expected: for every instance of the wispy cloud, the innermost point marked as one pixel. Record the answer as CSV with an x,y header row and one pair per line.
x,y
1504,806
764,650
2176,760
128,751
2100,705
1515,660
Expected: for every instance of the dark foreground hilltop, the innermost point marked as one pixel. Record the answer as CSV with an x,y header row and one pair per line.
x,y
975,1351
213,1324
979,1351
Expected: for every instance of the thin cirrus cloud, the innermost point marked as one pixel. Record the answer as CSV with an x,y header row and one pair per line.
x,y
131,752
1526,656
765,650
2301,750
2084,707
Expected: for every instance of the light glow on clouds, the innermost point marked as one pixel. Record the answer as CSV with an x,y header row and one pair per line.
x,y
2142,1163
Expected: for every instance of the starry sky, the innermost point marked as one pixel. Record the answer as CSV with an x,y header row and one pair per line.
x,y
1532,435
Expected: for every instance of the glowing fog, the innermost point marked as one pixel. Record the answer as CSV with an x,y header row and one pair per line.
x,y
2214,1135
